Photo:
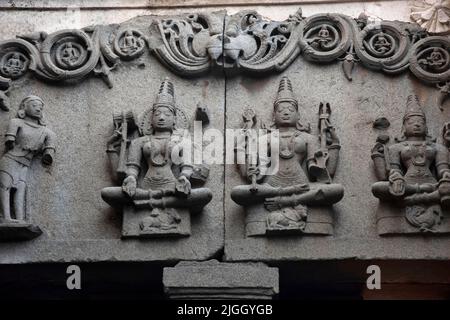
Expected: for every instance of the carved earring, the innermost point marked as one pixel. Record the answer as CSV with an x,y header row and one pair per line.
x,y
21,114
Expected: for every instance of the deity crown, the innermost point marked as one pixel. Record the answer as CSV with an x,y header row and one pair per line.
x,y
285,92
413,108
166,95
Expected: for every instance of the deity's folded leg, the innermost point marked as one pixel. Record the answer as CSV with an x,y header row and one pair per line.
x,y
195,201
115,196
381,190
323,195
244,195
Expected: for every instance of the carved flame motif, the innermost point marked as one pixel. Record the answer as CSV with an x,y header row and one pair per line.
x,y
432,15
254,44
188,46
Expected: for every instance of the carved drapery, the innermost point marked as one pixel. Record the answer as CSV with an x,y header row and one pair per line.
x,y
193,44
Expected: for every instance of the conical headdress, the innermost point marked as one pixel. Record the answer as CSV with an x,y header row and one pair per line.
x,y
413,108
166,95
285,92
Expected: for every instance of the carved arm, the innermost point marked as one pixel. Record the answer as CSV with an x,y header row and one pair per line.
x,y
11,133
49,148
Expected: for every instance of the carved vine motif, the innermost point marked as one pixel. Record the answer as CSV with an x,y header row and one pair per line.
x,y
253,44
68,54
194,44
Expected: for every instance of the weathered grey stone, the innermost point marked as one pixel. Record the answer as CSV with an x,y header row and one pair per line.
x,y
406,179
156,193
356,105
26,137
77,224
18,231
216,280
70,215
280,192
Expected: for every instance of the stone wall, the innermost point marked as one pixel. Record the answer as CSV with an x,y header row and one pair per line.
x,y
210,54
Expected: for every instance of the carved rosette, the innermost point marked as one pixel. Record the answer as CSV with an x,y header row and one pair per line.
x,y
432,15
383,46
325,37
129,44
17,57
68,54
430,59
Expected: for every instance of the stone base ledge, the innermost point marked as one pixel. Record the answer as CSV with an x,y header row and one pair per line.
x,y
216,280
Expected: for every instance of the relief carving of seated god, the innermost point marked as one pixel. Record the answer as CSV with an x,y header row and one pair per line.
x,y
156,191
279,201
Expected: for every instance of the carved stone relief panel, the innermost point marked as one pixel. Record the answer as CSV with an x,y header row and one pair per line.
x,y
415,175
287,180
65,200
372,105
156,192
348,77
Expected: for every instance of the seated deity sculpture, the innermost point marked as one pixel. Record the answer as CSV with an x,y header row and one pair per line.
x,y
279,201
415,177
26,137
156,193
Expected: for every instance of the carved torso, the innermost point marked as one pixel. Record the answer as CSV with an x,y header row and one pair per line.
x,y
295,147
416,157
29,139
157,152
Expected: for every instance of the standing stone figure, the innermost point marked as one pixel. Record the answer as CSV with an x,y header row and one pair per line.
x,y
416,177
26,137
156,192
277,202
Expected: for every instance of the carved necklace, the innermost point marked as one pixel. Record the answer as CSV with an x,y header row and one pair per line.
x,y
159,153
287,146
418,152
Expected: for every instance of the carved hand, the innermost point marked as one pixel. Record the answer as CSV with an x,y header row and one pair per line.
x,y
114,141
183,185
9,144
333,135
444,184
47,159
252,171
446,175
129,186
397,184
272,204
